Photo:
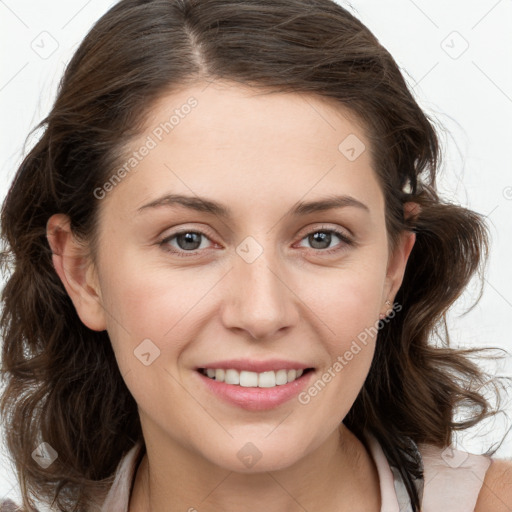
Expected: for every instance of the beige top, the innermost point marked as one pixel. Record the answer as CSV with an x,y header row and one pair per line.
x,y
452,480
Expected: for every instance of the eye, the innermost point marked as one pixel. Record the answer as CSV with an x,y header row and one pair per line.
x,y
320,239
188,241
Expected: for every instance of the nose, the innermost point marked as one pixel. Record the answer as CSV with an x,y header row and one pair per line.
x,y
260,298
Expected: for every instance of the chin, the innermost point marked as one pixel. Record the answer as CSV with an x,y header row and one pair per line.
x,y
256,456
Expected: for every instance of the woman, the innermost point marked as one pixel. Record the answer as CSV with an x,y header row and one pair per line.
x,y
282,360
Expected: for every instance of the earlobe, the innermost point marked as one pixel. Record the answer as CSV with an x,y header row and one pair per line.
x,y
76,271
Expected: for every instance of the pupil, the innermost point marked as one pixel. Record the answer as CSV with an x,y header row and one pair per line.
x,y
189,239
323,238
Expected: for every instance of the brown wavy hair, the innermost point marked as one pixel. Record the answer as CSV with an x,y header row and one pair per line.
x,y
63,385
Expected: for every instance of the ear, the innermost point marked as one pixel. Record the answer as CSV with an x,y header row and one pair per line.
x,y
397,260
73,265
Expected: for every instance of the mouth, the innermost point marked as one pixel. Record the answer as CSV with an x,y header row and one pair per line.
x,y
249,379
254,391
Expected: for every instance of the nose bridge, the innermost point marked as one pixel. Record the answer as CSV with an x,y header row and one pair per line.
x,y
259,298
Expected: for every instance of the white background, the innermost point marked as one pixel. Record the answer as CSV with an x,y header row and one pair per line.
x,y
467,90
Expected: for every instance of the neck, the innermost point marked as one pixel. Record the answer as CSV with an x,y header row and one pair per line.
x,y
338,476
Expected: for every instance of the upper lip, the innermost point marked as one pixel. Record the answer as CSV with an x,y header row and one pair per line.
x,y
252,365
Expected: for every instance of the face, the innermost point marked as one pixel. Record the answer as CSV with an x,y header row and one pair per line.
x,y
261,278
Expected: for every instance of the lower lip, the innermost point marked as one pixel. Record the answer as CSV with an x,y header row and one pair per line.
x,y
256,399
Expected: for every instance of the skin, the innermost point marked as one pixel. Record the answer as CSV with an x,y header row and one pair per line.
x,y
496,492
258,154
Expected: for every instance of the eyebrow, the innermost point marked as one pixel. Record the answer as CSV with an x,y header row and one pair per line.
x,y
202,204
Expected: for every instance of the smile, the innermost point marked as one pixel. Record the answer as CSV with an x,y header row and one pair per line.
x,y
268,379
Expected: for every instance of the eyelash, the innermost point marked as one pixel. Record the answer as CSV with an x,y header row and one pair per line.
x,y
164,243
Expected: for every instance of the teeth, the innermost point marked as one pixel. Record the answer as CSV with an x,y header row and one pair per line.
x,y
247,379
231,377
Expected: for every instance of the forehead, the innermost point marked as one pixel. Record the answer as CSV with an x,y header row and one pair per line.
x,y
247,147
224,110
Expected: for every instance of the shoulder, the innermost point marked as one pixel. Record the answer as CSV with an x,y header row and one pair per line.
x,y
496,492
453,479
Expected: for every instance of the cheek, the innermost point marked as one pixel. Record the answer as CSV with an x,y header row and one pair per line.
x,y
349,310
348,299
149,326
156,302
348,302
